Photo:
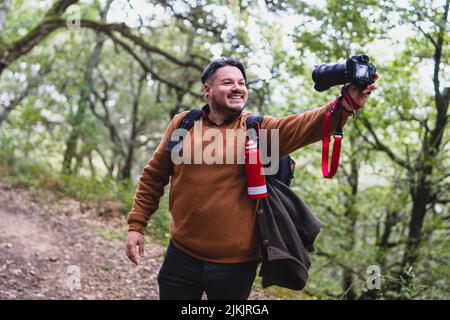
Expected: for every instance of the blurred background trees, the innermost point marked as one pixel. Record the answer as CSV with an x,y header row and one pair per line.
x,y
87,88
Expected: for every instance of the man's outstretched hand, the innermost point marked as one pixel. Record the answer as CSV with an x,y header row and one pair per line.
x,y
134,239
360,96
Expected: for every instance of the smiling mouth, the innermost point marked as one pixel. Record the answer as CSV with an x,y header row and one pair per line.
x,y
236,98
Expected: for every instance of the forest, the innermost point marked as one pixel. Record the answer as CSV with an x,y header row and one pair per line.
x,y
88,87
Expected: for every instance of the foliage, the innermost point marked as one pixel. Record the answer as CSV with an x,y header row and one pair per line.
x,y
82,110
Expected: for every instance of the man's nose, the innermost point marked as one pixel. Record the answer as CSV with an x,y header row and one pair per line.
x,y
236,87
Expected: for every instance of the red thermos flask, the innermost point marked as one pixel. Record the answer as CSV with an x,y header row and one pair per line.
x,y
256,181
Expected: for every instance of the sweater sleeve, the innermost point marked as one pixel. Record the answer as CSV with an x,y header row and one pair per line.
x,y
299,130
153,179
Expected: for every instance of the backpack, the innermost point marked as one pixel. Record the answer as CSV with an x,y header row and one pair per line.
x,y
285,173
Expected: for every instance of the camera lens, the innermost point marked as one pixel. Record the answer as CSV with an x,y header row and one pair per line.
x,y
327,75
355,70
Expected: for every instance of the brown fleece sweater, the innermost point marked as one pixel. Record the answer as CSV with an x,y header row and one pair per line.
x,y
212,217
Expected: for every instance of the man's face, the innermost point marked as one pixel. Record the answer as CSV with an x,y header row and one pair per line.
x,y
227,92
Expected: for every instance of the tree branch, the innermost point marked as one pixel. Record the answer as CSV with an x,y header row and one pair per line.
x,y
410,117
193,20
32,83
106,119
35,35
51,23
378,145
333,258
127,33
147,68
426,34
59,7
441,100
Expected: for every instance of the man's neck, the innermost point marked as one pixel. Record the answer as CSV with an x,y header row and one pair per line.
x,y
217,117
220,118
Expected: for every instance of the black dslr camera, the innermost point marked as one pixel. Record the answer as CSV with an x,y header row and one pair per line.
x,y
355,70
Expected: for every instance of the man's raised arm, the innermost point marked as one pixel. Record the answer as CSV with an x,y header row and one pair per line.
x,y
299,130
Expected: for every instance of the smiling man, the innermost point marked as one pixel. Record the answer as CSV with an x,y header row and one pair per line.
x,y
225,90
215,245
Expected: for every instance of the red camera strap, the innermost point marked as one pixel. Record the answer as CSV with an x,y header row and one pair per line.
x,y
338,135
326,144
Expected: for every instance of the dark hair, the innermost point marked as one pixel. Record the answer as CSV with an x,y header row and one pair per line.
x,y
219,63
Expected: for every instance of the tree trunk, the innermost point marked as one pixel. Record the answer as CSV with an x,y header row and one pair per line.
x,y
72,141
126,169
351,218
421,197
348,283
421,192
92,166
71,144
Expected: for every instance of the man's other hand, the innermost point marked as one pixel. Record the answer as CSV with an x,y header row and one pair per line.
x,y
134,239
361,96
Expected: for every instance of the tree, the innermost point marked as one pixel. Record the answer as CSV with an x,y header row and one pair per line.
x,y
426,189
421,165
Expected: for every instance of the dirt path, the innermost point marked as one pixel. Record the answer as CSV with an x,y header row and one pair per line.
x,y
42,248
55,251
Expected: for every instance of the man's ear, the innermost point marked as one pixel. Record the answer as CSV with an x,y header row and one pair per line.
x,y
206,90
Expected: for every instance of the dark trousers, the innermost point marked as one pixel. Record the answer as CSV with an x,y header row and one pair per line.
x,y
183,277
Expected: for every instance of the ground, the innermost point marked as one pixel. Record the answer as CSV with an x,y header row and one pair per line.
x,y
54,248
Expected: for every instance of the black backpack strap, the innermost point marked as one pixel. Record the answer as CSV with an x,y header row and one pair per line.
x,y
252,123
286,164
187,123
253,120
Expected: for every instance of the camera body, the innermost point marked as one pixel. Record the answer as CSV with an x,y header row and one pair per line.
x,y
356,70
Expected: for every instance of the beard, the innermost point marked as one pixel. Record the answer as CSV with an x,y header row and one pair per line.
x,y
223,108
